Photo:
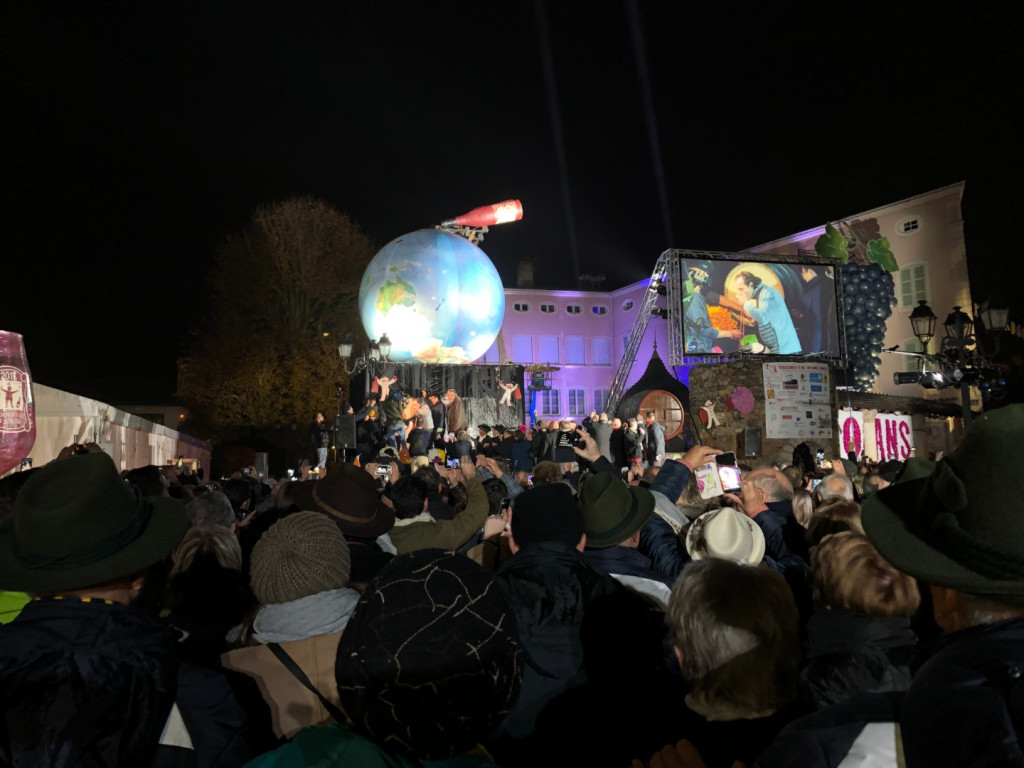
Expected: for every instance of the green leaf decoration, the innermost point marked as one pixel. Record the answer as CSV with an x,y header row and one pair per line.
x,y
878,252
833,245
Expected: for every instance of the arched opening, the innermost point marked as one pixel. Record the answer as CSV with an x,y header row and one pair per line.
x,y
667,410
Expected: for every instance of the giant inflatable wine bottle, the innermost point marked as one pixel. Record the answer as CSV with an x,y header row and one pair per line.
x,y
17,407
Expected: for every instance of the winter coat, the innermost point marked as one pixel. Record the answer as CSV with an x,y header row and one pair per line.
x,y
292,705
633,569
521,459
549,586
863,729
634,443
617,446
964,706
330,746
414,534
849,653
97,683
655,441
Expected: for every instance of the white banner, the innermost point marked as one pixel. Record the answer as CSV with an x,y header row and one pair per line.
x,y
851,430
796,400
894,437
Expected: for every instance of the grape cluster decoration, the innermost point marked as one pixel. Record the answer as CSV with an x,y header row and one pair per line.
x,y
869,295
868,298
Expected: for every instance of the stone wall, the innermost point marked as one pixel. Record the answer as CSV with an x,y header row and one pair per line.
x,y
718,382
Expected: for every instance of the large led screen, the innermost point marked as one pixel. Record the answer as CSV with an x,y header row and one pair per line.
x,y
760,307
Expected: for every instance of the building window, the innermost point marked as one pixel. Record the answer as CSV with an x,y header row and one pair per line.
x,y
522,349
573,309
574,350
521,307
912,364
601,349
549,402
600,400
913,285
577,402
547,308
599,309
549,349
908,226
627,305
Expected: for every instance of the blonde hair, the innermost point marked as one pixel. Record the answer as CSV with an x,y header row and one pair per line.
x,y
215,540
803,506
848,574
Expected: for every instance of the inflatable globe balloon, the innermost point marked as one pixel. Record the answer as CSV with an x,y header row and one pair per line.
x,y
436,295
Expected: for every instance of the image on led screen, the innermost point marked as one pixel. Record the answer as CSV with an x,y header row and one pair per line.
x,y
759,307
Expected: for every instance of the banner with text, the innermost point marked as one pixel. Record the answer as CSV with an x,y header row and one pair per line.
x,y
796,400
851,431
894,436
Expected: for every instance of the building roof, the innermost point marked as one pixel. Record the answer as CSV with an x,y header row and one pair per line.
x,y
656,377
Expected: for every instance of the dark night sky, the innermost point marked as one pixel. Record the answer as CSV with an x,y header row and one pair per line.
x,y
136,135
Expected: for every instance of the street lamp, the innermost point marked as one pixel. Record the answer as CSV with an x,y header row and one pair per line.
x,y
923,320
375,352
960,362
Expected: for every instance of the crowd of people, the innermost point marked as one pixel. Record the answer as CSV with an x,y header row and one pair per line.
x,y
564,594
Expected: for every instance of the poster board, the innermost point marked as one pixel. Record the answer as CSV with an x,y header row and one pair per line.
x,y
894,437
797,400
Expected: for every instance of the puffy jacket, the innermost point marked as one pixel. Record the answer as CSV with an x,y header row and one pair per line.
x,y
94,683
549,587
850,653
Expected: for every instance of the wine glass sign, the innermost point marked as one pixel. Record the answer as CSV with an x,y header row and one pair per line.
x,y
17,407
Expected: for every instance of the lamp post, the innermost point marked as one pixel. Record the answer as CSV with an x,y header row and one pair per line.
x,y
960,335
375,352
961,360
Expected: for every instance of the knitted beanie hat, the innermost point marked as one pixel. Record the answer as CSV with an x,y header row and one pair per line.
x,y
300,555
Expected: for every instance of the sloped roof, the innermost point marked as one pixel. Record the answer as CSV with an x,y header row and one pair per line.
x,y
657,376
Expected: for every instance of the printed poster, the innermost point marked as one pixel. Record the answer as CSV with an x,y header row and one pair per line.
x,y
797,403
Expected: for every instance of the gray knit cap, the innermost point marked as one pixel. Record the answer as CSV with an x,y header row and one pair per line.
x,y
300,555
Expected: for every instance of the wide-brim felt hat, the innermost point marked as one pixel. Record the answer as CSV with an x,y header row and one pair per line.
x,y
76,523
348,495
611,510
725,534
960,526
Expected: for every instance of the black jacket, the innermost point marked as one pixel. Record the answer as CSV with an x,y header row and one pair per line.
x,y
849,653
91,683
550,587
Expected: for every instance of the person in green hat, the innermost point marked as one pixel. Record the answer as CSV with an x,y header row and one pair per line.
x,y
960,530
85,678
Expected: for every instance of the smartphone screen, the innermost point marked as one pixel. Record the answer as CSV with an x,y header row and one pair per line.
x,y
730,476
454,463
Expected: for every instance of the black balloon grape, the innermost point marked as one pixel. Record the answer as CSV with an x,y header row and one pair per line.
x,y
868,299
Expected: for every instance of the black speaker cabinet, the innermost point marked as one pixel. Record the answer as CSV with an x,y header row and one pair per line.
x,y
751,443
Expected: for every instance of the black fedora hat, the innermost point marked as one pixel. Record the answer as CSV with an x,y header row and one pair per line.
x,y
76,524
960,526
348,495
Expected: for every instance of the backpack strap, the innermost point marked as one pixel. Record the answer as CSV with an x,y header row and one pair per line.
x,y
298,674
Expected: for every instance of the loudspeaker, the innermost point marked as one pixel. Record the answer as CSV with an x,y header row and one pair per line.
x,y
751,443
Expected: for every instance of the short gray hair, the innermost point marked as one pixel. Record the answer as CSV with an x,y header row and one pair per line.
x,y
776,486
835,486
211,508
